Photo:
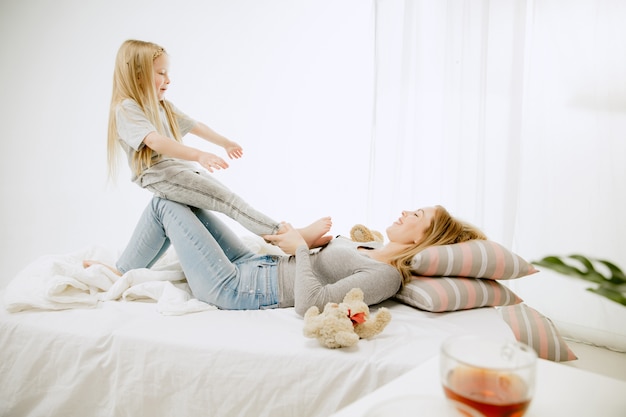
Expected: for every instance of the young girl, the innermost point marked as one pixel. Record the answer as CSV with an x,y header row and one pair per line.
x,y
150,130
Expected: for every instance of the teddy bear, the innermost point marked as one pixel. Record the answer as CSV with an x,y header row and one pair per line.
x,y
361,233
343,324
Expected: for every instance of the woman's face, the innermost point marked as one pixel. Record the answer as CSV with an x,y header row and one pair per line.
x,y
161,76
411,226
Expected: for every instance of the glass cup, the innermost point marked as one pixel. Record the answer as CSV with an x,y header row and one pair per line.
x,y
496,377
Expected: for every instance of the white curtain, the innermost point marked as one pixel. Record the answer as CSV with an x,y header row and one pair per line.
x,y
511,113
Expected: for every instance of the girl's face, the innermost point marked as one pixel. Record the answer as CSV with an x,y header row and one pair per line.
x,y
161,67
411,226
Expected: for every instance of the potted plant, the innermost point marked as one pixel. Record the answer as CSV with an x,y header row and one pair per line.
x,y
609,278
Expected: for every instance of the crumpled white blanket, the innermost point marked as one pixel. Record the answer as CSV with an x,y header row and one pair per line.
x,y
58,282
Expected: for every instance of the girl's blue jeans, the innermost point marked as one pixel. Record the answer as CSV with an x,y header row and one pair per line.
x,y
219,267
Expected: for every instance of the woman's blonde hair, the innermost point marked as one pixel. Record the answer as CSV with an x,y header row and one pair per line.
x,y
133,78
443,230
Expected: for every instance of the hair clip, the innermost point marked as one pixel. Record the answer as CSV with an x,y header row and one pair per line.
x,y
158,53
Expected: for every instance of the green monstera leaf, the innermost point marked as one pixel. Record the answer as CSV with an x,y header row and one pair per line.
x,y
609,278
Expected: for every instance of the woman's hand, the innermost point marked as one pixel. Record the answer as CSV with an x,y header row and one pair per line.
x,y
211,161
288,241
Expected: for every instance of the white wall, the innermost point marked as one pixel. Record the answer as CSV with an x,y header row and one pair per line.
x,y
291,81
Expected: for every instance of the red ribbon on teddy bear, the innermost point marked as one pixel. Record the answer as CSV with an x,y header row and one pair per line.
x,y
356,318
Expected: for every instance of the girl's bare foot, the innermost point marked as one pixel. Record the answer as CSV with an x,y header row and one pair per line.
x,y
313,234
87,263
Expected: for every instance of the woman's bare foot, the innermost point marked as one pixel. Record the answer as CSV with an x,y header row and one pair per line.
x,y
87,263
313,234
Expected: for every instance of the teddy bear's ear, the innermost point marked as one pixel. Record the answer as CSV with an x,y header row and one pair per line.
x,y
354,294
329,306
361,233
312,312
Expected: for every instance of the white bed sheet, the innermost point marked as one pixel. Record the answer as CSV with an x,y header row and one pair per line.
x,y
126,359
81,344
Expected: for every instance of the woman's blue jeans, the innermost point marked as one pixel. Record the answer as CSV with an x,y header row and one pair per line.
x,y
219,267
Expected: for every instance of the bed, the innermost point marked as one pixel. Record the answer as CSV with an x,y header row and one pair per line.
x,y
75,344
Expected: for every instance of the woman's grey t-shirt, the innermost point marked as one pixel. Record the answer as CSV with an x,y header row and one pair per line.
x,y
316,278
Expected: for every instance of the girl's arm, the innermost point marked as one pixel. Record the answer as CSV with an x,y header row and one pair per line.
x,y
233,150
168,147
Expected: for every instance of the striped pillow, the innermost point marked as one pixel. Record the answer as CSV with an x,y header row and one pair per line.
x,y
537,331
471,259
451,294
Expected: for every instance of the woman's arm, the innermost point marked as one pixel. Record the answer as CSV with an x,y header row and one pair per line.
x,y
378,282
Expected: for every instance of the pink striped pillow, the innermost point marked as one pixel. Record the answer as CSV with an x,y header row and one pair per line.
x,y
471,259
537,331
451,294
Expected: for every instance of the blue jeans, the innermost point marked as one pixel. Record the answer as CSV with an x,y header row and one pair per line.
x,y
219,267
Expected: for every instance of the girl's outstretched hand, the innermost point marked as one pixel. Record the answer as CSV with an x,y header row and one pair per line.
x,y
211,161
233,150
288,241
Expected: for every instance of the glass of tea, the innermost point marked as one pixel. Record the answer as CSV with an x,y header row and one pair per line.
x,y
495,377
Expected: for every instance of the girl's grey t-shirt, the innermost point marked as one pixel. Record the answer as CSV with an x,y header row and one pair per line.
x,y
132,128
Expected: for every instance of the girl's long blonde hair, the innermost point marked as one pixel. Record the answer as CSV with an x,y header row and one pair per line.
x,y
133,78
443,230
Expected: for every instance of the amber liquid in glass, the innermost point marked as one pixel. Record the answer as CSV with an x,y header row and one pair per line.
x,y
492,393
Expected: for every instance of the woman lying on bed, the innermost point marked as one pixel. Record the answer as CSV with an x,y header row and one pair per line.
x,y
222,271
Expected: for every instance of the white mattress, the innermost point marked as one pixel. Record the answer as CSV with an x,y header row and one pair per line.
x,y
126,359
